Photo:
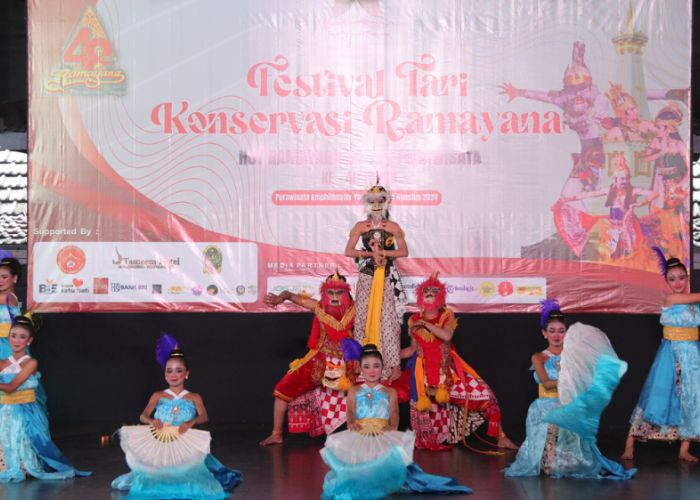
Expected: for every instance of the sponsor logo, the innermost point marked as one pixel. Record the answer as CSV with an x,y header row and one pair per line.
x,y
527,291
75,287
156,289
100,286
71,259
240,290
88,62
197,290
155,263
118,287
176,290
486,289
213,260
49,287
505,289
252,289
458,288
212,290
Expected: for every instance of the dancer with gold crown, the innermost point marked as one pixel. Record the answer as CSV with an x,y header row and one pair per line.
x,y
381,300
326,372
669,405
449,399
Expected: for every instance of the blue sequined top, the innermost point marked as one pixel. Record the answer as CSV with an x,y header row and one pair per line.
x,y
550,366
372,403
681,315
175,411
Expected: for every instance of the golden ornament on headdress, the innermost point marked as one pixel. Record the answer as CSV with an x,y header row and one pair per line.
x,y
621,167
620,100
336,277
577,77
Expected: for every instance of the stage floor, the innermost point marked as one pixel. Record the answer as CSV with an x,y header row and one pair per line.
x,y
295,471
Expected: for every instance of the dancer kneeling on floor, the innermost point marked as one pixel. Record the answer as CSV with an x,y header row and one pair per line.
x,y
169,459
372,459
24,429
577,375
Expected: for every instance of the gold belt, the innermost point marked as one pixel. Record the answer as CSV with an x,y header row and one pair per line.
x,y
372,425
548,393
17,397
680,333
5,329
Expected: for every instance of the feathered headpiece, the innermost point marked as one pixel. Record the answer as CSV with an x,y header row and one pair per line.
x,y
660,259
166,345
351,349
546,308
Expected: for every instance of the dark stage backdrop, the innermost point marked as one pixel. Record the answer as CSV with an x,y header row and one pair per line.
x,y
101,367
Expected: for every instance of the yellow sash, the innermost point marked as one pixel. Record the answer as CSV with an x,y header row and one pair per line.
x,y
5,329
548,393
374,314
372,425
17,397
680,333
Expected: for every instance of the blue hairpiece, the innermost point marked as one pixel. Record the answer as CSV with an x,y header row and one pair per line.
x,y
351,349
546,307
661,259
166,345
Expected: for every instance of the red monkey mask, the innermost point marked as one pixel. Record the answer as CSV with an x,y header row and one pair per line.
x,y
335,296
431,295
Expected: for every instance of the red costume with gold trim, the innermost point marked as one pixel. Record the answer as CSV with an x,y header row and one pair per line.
x,y
315,385
437,376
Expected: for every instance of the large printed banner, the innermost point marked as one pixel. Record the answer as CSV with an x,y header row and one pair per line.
x,y
194,155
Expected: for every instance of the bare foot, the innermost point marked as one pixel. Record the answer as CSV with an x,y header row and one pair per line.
x,y
684,455
273,439
504,442
628,454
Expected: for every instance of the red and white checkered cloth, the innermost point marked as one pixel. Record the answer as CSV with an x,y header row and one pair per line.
x,y
440,418
478,390
333,408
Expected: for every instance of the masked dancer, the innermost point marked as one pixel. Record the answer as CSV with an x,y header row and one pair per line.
x,y
442,387
381,300
326,367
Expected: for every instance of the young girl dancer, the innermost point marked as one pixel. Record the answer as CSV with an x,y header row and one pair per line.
x,y
201,477
372,459
561,439
24,429
10,273
669,406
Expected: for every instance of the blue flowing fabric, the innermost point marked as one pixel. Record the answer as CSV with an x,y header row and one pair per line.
x,y
205,480
24,432
663,402
527,462
7,315
578,425
382,476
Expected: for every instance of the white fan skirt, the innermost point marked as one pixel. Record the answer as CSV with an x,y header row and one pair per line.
x,y
142,448
354,448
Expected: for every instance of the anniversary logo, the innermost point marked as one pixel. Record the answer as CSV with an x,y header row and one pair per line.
x,y
88,61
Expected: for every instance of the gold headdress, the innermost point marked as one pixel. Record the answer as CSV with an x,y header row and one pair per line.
x,y
621,169
620,100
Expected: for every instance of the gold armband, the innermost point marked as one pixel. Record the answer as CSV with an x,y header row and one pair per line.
x,y
353,232
400,234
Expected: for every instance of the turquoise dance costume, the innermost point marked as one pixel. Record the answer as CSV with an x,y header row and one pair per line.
x,y
24,431
7,318
205,479
562,424
669,405
373,465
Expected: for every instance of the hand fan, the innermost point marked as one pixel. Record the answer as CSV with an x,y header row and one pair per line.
x,y
166,447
